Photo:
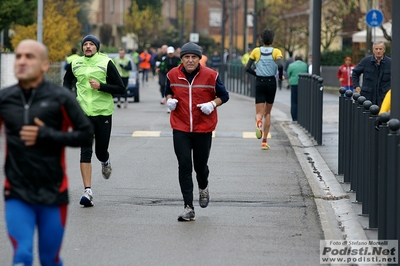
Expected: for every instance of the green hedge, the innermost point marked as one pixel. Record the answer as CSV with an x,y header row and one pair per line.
x,y
335,58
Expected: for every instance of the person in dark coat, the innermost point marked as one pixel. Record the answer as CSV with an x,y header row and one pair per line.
x,y
376,70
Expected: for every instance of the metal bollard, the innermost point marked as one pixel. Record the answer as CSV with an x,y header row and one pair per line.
x,y
382,174
348,133
302,81
308,103
364,150
353,144
319,99
342,123
359,142
313,107
393,142
373,168
300,98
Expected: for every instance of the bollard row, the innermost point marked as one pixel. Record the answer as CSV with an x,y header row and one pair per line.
x,y
368,160
310,103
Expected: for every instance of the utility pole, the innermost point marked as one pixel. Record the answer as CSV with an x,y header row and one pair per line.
x,y
231,17
40,22
245,31
223,30
194,15
255,25
368,44
310,28
316,38
182,9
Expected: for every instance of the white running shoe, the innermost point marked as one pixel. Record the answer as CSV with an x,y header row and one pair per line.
x,y
87,199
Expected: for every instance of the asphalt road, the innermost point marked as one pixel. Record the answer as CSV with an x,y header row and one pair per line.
x,y
262,210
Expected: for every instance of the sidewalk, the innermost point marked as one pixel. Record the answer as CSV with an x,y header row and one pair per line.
x,y
340,217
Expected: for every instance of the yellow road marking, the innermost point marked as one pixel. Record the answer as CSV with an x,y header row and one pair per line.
x,y
146,133
245,135
252,135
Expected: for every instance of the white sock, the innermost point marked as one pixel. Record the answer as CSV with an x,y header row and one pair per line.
x,y
89,190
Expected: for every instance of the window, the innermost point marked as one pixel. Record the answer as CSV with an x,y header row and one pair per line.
x,y
215,18
112,6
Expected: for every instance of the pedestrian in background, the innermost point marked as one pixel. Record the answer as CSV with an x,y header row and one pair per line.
x,y
162,55
145,66
124,66
41,118
97,81
376,70
344,74
135,58
288,61
167,63
74,54
215,61
245,57
153,59
226,56
193,93
204,58
294,69
267,60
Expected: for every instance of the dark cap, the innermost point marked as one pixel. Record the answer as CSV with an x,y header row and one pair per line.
x,y
92,39
191,48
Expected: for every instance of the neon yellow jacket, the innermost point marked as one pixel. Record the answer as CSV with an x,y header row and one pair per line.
x,y
93,102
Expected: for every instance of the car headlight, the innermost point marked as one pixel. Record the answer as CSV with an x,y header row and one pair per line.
x,y
132,81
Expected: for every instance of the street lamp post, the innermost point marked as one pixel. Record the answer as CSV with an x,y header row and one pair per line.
x,y
245,32
40,22
255,24
316,38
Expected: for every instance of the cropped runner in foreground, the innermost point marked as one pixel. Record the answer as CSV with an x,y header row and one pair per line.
x,y
40,119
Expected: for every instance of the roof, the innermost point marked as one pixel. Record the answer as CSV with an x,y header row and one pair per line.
x,y
361,36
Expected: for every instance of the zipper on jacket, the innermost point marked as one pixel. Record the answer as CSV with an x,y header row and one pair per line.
x,y
190,106
190,100
27,105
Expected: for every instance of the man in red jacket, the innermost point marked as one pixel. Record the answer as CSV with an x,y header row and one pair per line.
x,y
344,74
193,92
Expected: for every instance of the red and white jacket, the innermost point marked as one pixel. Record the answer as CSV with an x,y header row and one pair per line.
x,y
187,117
345,72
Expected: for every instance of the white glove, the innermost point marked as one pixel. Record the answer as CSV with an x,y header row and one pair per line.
x,y
207,108
171,103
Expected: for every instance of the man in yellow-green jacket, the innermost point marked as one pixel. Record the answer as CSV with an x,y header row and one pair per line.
x,y
124,66
97,80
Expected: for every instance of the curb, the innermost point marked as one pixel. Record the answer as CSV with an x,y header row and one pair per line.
x,y
338,218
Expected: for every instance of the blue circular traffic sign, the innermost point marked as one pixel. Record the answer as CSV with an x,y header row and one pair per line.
x,y
374,18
